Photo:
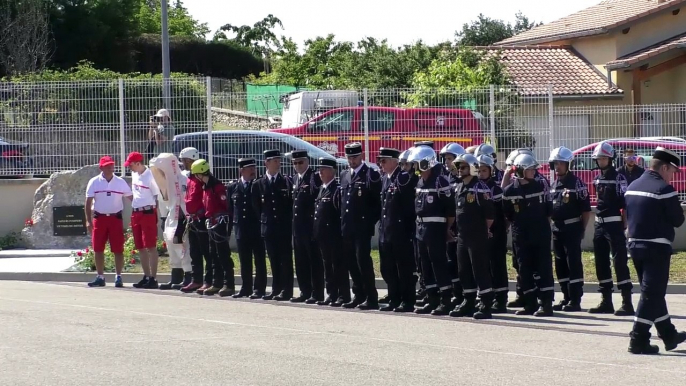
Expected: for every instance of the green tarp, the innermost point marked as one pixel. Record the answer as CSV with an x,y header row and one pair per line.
x,y
263,100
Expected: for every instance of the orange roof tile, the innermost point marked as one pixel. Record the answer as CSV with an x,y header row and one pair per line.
x,y
532,68
594,20
677,42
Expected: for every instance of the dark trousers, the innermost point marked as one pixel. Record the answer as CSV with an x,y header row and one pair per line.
x,y
280,255
309,267
568,264
199,244
534,256
497,250
336,277
432,252
221,256
609,237
247,248
418,265
515,265
358,251
397,270
453,267
475,266
652,262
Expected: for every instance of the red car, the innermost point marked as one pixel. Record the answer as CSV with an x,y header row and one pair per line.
x,y
390,127
585,167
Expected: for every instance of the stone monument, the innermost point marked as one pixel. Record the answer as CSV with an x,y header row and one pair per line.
x,y
57,207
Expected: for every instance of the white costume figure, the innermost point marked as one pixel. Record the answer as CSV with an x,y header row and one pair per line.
x,y
172,183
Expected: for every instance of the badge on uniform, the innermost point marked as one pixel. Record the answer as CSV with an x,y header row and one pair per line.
x,y
516,208
487,196
565,196
470,198
430,199
223,198
109,194
359,193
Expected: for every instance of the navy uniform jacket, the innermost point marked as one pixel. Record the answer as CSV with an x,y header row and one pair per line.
x,y
305,190
246,222
528,208
497,197
397,207
498,175
327,213
631,175
274,205
360,201
474,206
609,189
653,210
432,203
570,199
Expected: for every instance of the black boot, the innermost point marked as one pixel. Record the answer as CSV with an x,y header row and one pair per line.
x,y
500,303
467,308
432,302
187,279
572,306
560,305
484,310
443,308
674,340
605,306
176,278
517,303
530,305
546,309
627,308
642,347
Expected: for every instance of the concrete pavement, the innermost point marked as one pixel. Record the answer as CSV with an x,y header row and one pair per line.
x,y
68,334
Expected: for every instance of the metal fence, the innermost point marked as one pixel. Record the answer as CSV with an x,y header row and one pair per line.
x,y
63,126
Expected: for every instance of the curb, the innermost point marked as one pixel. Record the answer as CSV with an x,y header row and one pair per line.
x,y
84,277
35,254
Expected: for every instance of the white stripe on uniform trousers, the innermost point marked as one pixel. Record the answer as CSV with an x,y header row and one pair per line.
x,y
428,286
624,282
487,290
605,281
576,281
563,280
501,289
641,320
650,195
547,289
662,318
469,291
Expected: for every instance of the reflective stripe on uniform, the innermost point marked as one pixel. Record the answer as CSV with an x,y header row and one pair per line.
x,y
547,289
431,219
576,281
609,182
659,241
572,220
433,190
662,318
651,195
608,219
641,320
623,282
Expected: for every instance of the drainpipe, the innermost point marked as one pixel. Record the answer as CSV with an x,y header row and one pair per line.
x,y
609,78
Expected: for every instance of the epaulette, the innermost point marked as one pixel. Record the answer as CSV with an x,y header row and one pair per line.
x,y
403,176
373,173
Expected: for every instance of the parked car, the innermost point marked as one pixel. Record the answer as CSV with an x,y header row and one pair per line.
x,y
15,161
390,127
230,145
585,167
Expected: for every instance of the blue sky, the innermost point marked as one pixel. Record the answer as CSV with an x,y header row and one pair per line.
x,y
430,20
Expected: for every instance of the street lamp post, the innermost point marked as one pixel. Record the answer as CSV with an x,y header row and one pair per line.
x,y
165,56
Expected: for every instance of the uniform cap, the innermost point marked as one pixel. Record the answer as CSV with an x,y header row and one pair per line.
x,y
133,157
106,161
425,143
245,162
327,163
668,156
297,154
386,152
353,149
162,113
269,154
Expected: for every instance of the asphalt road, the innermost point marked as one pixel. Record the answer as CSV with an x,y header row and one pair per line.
x,y
68,334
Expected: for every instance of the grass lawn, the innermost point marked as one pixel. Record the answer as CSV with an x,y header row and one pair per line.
x,y
222,126
677,272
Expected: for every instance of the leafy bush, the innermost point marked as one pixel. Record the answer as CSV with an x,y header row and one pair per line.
x,y
85,258
9,241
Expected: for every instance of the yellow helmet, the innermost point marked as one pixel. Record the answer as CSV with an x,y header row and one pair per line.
x,y
200,167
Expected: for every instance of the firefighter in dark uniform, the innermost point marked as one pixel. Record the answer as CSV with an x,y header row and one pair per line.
x,y
309,267
571,212
396,235
488,150
360,209
528,208
448,155
610,224
218,222
498,238
435,209
653,211
271,198
246,225
408,167
474,218
630,170
327,234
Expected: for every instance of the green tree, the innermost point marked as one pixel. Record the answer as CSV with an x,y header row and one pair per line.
x,y
259,37
485,31
180,22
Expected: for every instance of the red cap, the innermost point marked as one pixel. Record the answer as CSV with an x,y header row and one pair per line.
x,y
133,157
106,161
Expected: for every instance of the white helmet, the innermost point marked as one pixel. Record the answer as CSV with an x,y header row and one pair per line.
x,y
424,156
561,154
452,148
470,160
485,149
405,155
510,158
604,149
190,153
525,162
485,160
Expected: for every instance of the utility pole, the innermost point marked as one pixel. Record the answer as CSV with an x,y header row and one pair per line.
x,y
165,56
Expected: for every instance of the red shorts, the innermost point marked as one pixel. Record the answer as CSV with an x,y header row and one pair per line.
x,y
144,227
108,228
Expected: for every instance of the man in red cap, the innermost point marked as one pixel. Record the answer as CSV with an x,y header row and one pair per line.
x,y
144,218
104,206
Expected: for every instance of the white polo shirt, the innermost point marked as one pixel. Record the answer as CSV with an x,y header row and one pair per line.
x,y
144,189
108,196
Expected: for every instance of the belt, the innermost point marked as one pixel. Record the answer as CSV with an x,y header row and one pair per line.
x,y
603,220
431,219
571,221
142,208
659,241
107,214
